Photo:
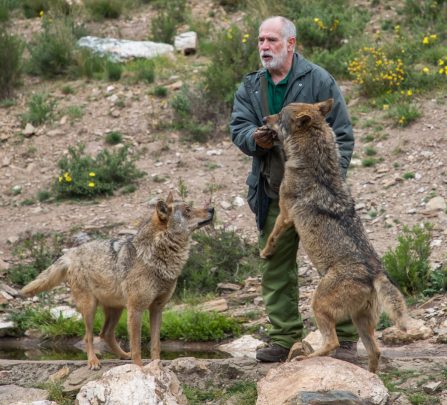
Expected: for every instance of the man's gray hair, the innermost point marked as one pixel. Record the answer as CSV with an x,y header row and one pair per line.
x,y
288,28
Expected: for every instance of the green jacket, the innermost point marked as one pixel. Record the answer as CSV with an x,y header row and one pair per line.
x,y
308,83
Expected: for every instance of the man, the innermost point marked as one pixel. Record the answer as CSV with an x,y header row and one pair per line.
x,y
286,77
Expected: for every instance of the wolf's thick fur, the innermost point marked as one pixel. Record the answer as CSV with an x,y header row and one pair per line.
x,y
314,198
138,272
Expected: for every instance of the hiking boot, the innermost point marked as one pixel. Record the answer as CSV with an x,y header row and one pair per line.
x,y
347,352
273,353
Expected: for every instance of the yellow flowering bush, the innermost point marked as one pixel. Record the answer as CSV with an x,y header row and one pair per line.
x,y
85,176
442,66
375,73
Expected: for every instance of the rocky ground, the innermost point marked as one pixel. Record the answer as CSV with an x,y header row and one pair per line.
x,y
215,172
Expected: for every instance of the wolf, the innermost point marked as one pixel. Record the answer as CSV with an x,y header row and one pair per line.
x,y
136,272
315,199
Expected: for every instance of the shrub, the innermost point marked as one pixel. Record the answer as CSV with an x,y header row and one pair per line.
x,y
170,14
84,176
160,91
11,49
113,71
114,138
37,252
218,256
408,264
143,70
103,9
34,8
87,64
40,109
52,50
375,73
403,114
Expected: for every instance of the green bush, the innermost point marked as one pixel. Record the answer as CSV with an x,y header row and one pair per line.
x,y
114,138
170,14
84,176
104,9
217,256
11,50
408,265
142,70
40,109
37,252
87,64
113,71
52,50
404,114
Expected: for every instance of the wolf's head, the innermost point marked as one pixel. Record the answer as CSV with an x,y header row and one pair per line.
x,y
296,117
181,217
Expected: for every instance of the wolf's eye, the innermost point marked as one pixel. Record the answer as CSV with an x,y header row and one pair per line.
x,y
187,210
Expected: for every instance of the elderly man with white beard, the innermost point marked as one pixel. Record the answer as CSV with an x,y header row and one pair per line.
x,y
285,77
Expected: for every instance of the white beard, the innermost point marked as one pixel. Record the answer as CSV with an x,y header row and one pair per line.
x,y
277,60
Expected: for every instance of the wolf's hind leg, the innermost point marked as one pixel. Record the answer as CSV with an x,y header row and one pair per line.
x,y
87,306
282,223
365,324
112,316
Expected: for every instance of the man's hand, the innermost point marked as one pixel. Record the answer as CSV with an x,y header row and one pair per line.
x,y
264,137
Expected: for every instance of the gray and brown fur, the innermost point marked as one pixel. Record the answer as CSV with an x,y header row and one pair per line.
x,y
315,199
137,273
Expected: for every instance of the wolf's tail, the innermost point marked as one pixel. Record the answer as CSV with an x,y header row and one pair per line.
x,y
49,278
392,300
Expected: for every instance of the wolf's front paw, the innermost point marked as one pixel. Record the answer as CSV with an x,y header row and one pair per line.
x,y
126,356
94,364
266,253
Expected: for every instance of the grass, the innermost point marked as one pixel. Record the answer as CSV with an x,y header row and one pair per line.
x,y
240,393
189,325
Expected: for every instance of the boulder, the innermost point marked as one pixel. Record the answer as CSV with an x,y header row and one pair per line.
x,y
131,384
186,43
294,382
120,50
245,346
416,331
14,394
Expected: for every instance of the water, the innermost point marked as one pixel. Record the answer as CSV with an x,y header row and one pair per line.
x,y
26,349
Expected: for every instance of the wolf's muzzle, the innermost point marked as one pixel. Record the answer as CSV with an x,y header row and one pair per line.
x,y
209,219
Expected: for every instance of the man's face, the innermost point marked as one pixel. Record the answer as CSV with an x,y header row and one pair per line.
x,y
273,48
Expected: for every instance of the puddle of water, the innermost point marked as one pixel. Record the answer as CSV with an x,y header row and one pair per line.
x,y
67,351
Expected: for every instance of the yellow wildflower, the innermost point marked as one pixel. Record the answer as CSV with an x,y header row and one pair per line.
x,y
426,70
433,37
41,13
60,179
67,177
440,62
386,107
92,174
91,184
426,41
409,93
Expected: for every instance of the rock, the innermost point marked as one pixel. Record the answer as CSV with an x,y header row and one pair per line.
x,y
8,289
297,350
431,387
436,204
6,327
14,394
186,43
228,287
416,331
131,384
219,305
320,375
214,152
225,205
312,342
29,130
238,202
60,374
65,312
245,346
120,50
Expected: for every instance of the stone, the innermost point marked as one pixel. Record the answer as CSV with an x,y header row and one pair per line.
x,y
431,387
6,327
225,205
238,201
14,394
228,287
65,312
120,50
312,342
219,305
186,43
289,381
416,330
245,346
131,384
436,204
29,130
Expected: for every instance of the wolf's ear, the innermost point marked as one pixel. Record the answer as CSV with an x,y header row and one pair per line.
x,y
326,106
162,210
170,198
303,120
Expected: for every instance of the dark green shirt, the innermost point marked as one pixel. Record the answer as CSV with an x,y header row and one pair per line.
x,y
276,93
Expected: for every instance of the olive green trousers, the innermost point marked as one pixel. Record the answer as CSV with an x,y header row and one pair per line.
x,y
280,287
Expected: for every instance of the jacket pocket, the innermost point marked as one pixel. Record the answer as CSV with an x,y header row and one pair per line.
x,y
252,195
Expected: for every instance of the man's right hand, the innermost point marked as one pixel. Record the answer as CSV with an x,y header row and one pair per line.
x,y
264,137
